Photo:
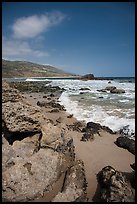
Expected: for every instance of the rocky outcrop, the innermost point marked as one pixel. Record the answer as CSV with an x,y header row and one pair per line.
x,y
114,186
117,91
87,77
50,104
35,153
74,187
76,126
9,94
126,143
112,89
93,128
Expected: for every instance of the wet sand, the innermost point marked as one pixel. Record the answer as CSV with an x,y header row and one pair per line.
x,y
95,154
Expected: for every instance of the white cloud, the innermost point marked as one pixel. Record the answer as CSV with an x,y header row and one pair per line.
x,y
32,26
17,48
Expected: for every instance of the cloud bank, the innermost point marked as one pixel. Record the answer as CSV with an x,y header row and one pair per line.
x,y
29,27
24,30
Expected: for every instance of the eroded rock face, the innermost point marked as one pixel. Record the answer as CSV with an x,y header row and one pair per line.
x,y
35,153
27,179
114,186
74,188
9,94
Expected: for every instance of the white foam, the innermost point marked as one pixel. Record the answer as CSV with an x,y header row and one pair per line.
x,y
33,79
95,114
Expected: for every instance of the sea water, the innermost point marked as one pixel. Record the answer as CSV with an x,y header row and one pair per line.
x,y
115,111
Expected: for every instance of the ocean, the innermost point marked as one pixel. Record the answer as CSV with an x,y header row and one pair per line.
x,y
86,103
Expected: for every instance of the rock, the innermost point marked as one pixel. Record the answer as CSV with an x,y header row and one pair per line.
x,y
93,128
28,179
87,77
109,82
84,89
102,90
50,104
20,119
77,126
75,185
114,186
117,91
110,88
126,143
40,153
9,94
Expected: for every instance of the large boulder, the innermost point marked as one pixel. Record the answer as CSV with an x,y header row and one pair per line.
x,y
114,186
126,143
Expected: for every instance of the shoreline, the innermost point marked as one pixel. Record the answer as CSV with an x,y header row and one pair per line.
x,y
107,153
95,153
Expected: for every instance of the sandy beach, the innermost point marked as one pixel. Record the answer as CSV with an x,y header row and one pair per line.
x,y
96,153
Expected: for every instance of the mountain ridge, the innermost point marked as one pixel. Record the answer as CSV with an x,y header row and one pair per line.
x,y
16,68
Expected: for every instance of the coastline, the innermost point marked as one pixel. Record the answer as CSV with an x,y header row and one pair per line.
x,y
95,153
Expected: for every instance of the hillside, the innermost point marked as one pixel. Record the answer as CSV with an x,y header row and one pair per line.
x,y
12,69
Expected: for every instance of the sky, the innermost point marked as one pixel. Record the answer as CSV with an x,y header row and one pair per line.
x,y
77,37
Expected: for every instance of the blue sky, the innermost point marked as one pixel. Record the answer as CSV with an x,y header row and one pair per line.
x,y
77,37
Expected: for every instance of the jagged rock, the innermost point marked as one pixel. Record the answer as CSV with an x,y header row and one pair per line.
x,y
77,126
93,128
75,185
126,143
20,120
50,104
28,179
117,91
114,186
9,94
43,153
